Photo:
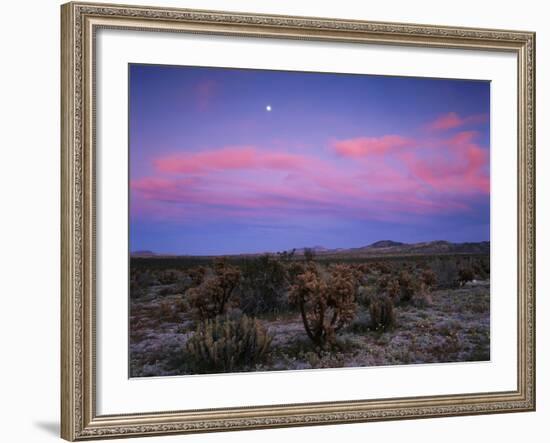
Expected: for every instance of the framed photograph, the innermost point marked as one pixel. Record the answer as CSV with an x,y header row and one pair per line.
x,y
277,221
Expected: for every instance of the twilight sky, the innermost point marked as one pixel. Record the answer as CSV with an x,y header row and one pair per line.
x,y
226,161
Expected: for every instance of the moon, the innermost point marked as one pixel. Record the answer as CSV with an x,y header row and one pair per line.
x,y
268,108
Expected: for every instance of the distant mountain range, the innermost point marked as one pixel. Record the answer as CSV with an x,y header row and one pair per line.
x,y
144,254
382,247
390,247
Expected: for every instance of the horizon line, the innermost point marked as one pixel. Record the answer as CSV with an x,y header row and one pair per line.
x,y
302,248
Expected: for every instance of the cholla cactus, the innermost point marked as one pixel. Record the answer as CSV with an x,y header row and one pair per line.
x,y
423,297
326,303
429,278
264,285
168,277
382,267
229,275
390,286
394,290
363,268
196,275
226,345
408,285
211,297
293,270
382,314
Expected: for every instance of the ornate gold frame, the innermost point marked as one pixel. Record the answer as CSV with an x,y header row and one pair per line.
x,y
79,420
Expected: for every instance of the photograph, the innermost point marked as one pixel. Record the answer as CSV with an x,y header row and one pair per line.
x,y
277,218
288,220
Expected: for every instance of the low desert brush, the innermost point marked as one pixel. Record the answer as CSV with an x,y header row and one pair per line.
x,y
225,344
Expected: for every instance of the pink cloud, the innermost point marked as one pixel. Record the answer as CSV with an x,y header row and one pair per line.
x,y
455,165
314,196
372,178
447,121
461,168
452,120
249,196
367,146
231,158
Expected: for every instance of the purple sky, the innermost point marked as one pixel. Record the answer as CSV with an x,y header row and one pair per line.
x,y
226,161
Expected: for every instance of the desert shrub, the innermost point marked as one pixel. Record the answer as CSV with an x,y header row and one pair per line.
x,y
364,294
263,286
211,298
190,278
363,268
362,272
446,271
390,286
168,277
485,265
286,256
423,297
224,344
136,290
382,313
327,302
477,305
481,268
309,254
196,275
168,311
422,263
465,275
170,290
382,267
207,300
393,290
382,282
180,304
407,285
140,281
293,270
428,277
227,274
479,271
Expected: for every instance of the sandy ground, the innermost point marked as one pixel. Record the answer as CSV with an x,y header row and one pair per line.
x,y
456,327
